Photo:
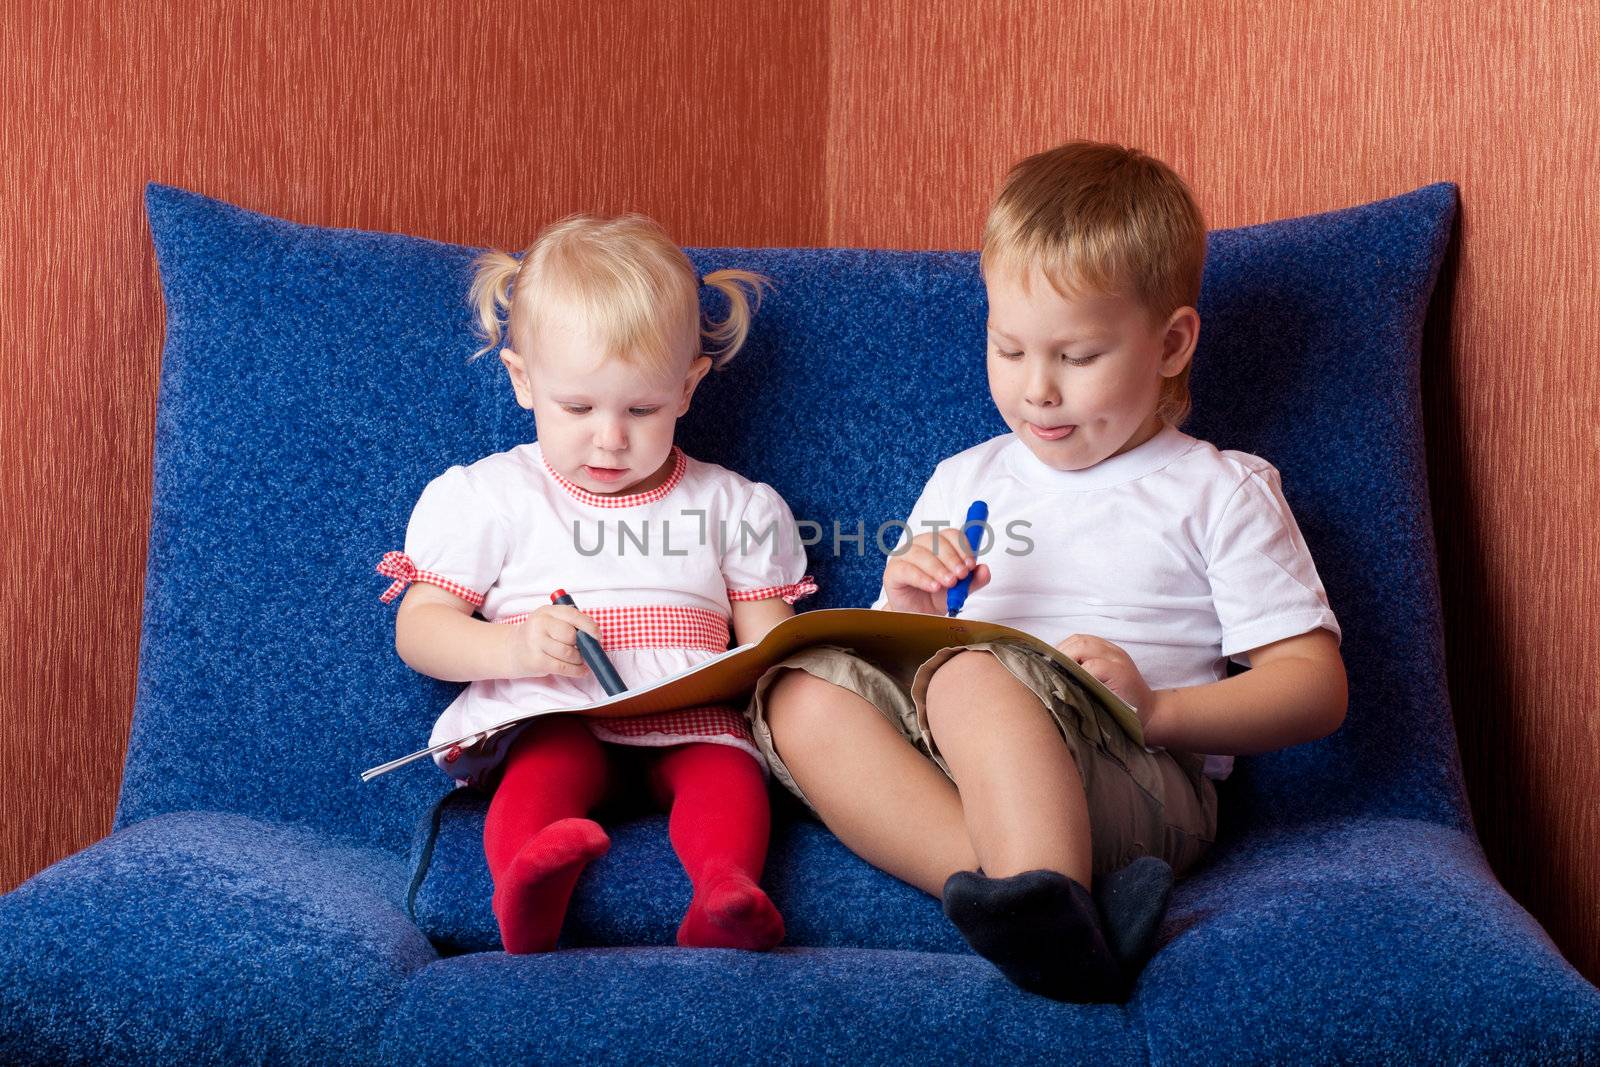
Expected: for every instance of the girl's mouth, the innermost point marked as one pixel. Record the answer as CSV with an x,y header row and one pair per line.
x,y
1051,433
605,474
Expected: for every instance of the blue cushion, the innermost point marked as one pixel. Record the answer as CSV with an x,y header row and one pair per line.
x,y
1346,941
314,380
217,938
203,937
637,892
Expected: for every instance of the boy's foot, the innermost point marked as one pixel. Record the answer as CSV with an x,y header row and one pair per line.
x,y
1132,903
530,901
731,912
1040,928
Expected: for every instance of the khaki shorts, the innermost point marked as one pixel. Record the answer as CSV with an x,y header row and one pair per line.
x,y
1140,802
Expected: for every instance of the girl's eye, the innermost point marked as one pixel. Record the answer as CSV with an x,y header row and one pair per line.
x,y
1085,361
575,409
1007,355
642,412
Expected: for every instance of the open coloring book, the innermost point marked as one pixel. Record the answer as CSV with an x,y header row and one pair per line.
x,y
729,678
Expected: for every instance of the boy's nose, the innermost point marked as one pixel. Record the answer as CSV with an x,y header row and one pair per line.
x,y
1041,391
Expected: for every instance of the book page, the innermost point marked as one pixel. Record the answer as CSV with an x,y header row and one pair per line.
x,y
729,677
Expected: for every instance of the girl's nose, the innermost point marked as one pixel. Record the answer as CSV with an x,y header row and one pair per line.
x,y
612,436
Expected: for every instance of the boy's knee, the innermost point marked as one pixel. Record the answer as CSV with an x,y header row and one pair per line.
x,y
802,709
962,679
962,675
794,698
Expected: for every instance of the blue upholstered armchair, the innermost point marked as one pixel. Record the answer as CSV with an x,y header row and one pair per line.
x,y
257,902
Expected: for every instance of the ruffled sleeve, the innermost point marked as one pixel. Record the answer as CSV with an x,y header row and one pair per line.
x,y
762,556
457,539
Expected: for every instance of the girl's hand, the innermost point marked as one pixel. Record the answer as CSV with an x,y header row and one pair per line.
x,y
546,642
918,578
1114,668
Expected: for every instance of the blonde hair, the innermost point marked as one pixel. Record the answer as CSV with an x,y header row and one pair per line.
x,y
1101,218
626,279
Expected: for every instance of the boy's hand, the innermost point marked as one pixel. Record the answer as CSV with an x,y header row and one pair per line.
x,y
546,642
1114,668
918,578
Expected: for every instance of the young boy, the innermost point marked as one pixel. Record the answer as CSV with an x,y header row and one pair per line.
x,y
987,775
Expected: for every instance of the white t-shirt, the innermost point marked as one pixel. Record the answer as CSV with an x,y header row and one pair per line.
x,y
1181,554
656,569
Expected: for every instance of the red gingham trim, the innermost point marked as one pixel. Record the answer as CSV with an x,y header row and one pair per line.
x,y
711,720
399,566
711,723
680,463
654,626
790,593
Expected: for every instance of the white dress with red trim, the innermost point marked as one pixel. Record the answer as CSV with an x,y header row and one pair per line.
x,y
656,570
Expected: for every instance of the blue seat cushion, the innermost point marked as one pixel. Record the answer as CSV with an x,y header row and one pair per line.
x,y
637,892
1367,940
203,937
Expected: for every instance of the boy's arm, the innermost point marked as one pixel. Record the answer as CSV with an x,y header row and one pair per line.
x,y
1295,691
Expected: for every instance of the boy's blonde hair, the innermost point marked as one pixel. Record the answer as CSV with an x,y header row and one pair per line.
x,y
1101,218
626,279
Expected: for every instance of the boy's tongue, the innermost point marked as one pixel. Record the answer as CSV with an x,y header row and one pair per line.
x,y
1053,433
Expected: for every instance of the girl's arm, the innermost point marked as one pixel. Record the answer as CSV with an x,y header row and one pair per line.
x,y
1295,691
753,618
435,634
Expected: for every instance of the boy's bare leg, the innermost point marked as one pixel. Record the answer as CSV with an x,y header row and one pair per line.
x,y
1020,789
1030,911
886,801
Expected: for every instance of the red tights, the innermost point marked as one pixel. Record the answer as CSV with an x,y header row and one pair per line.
x,y
538,838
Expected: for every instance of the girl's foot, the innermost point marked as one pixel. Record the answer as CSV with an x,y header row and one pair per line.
x,y
731,912
530,901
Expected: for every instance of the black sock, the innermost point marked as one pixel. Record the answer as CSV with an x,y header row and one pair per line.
x,y
1040,928
1132,903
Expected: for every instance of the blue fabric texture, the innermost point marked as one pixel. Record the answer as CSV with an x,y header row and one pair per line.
x,y
637,892
257,902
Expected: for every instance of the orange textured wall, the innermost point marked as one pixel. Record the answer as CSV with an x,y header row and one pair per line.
x,y
882,123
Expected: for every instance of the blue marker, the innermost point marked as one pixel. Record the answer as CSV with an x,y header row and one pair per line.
x,y
956,595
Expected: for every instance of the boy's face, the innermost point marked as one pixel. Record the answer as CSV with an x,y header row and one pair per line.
x,y
1078,378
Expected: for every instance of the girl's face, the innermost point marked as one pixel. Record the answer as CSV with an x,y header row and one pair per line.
x,y
1078,379
603,424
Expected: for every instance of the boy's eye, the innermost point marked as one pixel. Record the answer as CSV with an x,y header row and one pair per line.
x,y
642,412
575,409
1086,360
1007,355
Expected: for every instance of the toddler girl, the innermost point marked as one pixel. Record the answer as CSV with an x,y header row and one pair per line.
x,y
603,344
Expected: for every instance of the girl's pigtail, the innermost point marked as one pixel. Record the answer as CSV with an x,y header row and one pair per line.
x,y
742,288
490,296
